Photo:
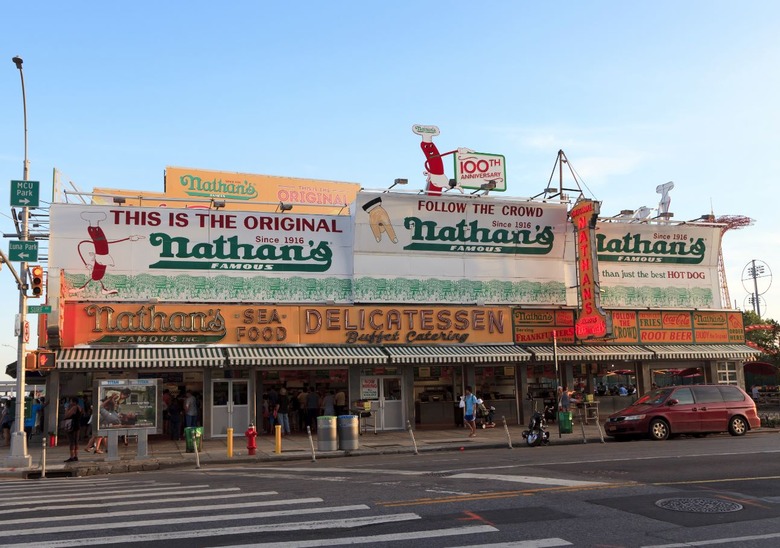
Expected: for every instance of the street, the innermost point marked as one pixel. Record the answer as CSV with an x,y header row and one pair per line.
x,y
686,491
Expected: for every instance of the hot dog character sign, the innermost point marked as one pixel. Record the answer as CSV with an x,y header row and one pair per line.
x,y
94,252
437,180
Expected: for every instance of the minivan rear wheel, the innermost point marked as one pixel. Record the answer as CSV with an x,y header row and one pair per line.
x,y
659,430
738,426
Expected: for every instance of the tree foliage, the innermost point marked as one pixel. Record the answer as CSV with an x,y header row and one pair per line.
x,y
764,339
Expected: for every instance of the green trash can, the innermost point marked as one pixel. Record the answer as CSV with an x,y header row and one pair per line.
x,y
189,438
565,422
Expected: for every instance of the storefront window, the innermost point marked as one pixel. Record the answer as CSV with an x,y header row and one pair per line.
x,y
437,383
495,382
727,372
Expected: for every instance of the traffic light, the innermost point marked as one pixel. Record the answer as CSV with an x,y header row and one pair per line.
x,y
45,360
31,361
36,281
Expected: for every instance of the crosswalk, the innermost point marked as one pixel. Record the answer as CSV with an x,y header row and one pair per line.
x,y
93,511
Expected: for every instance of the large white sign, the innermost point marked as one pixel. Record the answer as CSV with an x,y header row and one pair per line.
x,y
415,248
132,253
658,265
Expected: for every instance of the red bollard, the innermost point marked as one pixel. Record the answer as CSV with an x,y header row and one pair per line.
x,y
251,443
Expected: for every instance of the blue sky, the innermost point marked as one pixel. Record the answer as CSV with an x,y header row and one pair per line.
x,y
636,94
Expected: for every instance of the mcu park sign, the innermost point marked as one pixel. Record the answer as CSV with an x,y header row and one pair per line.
x,y
25,193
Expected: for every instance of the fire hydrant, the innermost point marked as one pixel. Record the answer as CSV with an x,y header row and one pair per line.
x,y
251,442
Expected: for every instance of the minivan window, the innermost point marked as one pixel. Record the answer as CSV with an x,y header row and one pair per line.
x,y
731,393
707,394
683,395
655,397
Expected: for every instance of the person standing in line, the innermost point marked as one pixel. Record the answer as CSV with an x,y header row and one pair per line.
x,y
7,420
273,409
190,410
303,418
341,402
312,409
174,418
470,411
283,411
73,414
563,398
328,404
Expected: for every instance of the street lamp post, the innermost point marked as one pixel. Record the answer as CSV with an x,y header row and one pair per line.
x,y
19,458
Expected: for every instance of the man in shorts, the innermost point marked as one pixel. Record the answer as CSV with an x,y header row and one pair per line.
x,y
470,411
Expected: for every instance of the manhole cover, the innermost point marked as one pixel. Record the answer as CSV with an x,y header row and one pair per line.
x,y
699,505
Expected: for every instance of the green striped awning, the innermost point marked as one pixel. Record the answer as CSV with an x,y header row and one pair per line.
x,y
457,354
703,352
590,353
139,357
265,356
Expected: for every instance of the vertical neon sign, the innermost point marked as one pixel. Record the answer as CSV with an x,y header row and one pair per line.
x,y
592,321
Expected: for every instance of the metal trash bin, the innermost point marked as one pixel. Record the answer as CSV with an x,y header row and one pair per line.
x,y
189,438
565,425
327,436
349,432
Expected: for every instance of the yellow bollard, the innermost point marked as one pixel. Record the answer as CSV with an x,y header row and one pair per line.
x,y
230,442
278,439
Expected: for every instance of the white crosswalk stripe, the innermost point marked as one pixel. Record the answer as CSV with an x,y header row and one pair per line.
x,y
131,511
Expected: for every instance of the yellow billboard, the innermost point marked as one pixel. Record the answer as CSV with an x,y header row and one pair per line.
x,y
250,192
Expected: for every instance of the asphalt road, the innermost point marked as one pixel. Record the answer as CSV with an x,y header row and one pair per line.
x,y
717,490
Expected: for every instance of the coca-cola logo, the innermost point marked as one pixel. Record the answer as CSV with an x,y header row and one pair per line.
x,y
677,320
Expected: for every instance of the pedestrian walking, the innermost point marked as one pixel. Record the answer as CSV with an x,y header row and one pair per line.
x,y
470,411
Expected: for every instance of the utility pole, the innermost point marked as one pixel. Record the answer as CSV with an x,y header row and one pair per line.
x,y
19,457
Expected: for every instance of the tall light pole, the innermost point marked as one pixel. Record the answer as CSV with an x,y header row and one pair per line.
x,y
19,458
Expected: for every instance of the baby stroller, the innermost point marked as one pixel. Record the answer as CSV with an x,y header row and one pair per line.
x,y
485,414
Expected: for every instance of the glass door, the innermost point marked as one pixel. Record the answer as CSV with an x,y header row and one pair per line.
x,y
231,406
392,401
387,402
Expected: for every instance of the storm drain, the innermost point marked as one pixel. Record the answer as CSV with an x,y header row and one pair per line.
x,y
699,505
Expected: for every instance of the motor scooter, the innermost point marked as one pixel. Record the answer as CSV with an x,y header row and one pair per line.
x,y
537,433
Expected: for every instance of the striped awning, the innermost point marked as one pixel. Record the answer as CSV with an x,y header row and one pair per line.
x,y
457,354
141,358
703,351
590,353
265,356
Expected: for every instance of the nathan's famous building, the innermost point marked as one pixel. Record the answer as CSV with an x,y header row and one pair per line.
x,y
399,300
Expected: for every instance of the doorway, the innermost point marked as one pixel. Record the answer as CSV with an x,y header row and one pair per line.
x,y
231,406
387,401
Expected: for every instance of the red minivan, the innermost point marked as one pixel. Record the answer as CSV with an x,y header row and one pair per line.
x,y
694,409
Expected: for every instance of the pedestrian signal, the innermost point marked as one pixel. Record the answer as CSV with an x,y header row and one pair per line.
x,y
45,360
36,281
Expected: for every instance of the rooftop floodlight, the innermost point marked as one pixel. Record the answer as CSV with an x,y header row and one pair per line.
x,y
119,200
283,207
218,204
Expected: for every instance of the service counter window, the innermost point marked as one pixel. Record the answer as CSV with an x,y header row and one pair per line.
x,y
495,382
437,383
323,380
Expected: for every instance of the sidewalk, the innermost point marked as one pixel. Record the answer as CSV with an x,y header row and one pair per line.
x,y
164,453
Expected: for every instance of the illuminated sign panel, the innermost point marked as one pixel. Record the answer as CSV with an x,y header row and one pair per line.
x,y
592,322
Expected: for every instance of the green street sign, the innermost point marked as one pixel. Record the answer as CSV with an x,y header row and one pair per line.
x,y
23,251
39,309
25,193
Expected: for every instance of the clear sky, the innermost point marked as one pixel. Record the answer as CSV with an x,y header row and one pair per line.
x,y
636,94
